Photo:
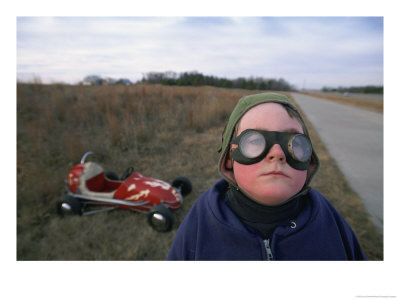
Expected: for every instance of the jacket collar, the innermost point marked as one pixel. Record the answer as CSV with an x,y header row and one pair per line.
x,y
224,214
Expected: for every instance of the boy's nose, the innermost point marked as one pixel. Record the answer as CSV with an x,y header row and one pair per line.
x,y
276,154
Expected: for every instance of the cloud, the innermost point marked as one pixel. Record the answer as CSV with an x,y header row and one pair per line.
x,y
69,48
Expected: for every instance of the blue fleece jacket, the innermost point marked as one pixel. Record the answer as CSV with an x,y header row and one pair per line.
x,y
211,231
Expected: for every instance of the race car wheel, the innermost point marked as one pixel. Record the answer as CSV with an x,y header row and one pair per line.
x,y
68,205
183,184
160,218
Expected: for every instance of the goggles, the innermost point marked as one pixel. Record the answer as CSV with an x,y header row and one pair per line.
x,y
254,145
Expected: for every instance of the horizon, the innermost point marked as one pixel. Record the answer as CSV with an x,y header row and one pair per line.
x,y
113,81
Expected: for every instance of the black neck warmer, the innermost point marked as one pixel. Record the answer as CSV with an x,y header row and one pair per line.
x,y
264,218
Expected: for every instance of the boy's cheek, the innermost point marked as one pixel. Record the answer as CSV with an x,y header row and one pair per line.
x,y
299,179
244,173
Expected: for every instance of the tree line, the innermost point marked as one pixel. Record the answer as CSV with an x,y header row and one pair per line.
x,y
369,89
198,79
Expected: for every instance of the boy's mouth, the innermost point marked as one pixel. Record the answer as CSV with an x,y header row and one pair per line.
x,y
275,173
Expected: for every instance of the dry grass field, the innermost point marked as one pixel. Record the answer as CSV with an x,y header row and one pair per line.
x,y
161,131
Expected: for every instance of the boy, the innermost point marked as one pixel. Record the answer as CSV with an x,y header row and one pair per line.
x,y
264,209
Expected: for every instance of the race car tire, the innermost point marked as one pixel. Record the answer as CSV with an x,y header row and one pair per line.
x,y
183,184
160,218
68,205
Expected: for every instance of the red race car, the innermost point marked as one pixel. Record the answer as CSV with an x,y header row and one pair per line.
x,y
90,190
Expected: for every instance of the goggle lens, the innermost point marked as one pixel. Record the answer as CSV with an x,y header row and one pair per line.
x,y
300,148
252,144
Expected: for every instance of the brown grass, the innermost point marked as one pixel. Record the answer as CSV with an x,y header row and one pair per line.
x,y
164,132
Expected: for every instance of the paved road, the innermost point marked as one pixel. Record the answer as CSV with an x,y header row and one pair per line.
x,y
354,137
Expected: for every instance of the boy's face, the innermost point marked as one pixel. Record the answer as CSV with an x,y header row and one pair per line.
x,y
272,180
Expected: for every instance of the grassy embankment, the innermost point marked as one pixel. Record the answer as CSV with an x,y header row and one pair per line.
x,y
364,103
164,132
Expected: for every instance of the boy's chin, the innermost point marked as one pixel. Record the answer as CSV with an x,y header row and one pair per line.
x,y
274,197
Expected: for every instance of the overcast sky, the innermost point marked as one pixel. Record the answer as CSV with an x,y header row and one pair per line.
x,y
308,52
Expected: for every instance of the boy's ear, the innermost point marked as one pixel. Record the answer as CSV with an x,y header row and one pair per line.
x,y
229,162
227,168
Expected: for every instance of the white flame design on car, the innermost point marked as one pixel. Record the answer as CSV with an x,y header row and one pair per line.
x,y
137,196
158,183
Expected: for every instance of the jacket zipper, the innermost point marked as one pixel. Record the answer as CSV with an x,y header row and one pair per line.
x,y
268,249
